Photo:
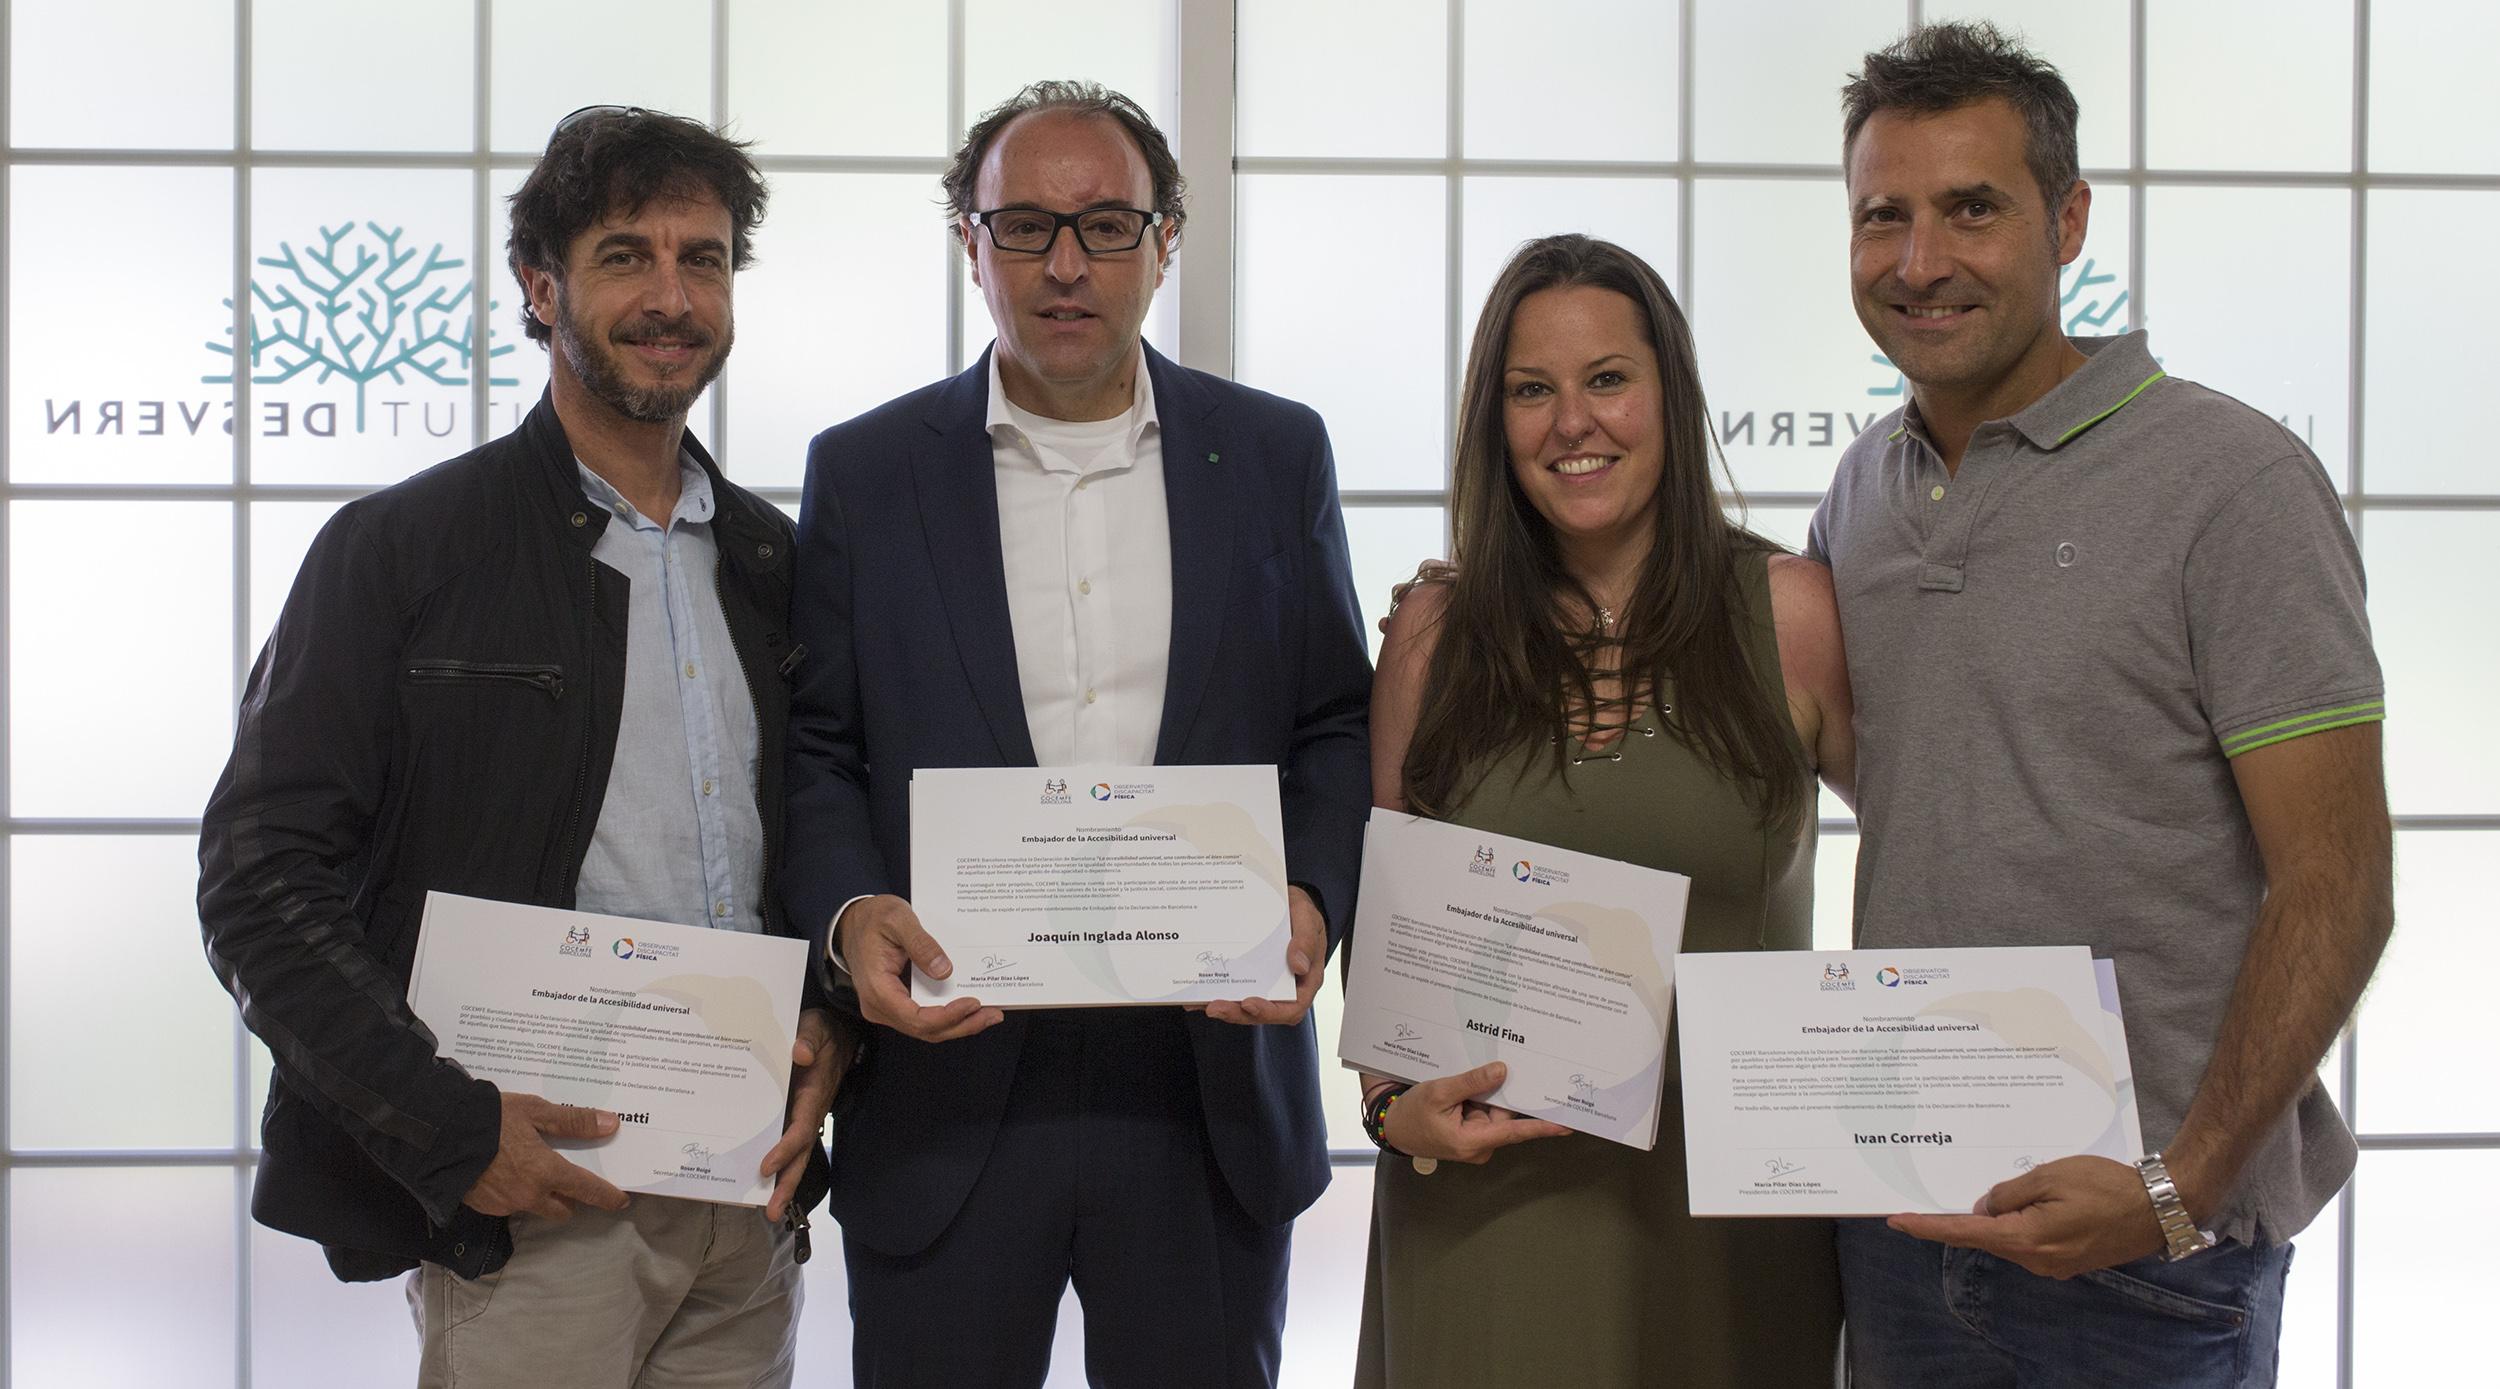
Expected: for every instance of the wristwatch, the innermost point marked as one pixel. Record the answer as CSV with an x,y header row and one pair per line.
x,y
2177,1230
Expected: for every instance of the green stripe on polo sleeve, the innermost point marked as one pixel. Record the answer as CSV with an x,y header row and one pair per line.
x,y
2315,721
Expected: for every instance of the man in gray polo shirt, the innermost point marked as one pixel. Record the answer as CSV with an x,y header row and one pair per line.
x,y
2115,687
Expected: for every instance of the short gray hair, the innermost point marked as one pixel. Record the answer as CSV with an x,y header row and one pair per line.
x,y
1942,67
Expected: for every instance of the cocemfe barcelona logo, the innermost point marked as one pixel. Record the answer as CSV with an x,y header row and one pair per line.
x,y
1055,791
1836,978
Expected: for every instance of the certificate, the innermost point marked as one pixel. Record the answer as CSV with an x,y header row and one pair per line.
x,y
684,1032
1063,886
1871,1082
1472,947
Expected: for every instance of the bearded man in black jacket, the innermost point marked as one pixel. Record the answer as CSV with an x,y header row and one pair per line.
x,y
551,671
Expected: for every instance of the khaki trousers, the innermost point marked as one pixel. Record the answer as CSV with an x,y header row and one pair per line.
x,y
665,1294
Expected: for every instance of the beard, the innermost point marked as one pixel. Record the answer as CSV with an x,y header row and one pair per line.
x,y
596,365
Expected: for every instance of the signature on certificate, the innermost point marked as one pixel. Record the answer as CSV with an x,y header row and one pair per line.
x,y
1780,1167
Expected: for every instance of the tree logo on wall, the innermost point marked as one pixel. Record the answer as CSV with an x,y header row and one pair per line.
x,y
360,307
2091,315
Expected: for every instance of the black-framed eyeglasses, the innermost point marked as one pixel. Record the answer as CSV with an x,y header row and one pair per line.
x,y
1100,231
584,113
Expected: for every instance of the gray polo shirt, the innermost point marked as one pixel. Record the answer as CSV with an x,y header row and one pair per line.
x,y
2055,654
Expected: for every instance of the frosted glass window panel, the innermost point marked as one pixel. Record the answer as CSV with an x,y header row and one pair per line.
x,y
97,918
847,312
121,664
2306,1348
2087,40
306,1324
2423,1011
2424,1313
2424,47
122,1277
1570,79
1355,329
1790,375
281,533
1387,542
846,78
327,76
1126,45
365,289
1325,1285
1638,214
1835,888
553,59
120,74
1766,78
115,316
2424,349
1320,78
2249,84
2432,610
2247,290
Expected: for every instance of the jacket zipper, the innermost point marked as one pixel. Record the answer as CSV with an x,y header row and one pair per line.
x,y
547,678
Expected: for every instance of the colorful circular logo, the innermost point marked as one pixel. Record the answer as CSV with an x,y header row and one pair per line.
x,y
624,947
1519,870
1102,790
1889,977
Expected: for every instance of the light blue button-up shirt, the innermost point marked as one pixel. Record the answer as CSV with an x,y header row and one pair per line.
x,y
679,837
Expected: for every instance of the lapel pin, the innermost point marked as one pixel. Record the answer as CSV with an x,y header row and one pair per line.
x,y
1210,458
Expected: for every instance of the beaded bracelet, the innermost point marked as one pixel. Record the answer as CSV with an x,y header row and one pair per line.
x,y
1376,1118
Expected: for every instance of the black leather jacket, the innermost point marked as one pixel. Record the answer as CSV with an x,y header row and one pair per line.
x,y
437,707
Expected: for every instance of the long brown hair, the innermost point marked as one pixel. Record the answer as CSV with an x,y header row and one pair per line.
x,y
1516,650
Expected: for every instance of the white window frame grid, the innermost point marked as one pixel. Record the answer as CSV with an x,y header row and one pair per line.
x,y
1205,147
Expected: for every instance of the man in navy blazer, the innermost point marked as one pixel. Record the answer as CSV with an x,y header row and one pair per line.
x,y
1074,551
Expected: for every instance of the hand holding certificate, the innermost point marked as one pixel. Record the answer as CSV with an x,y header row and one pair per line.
x,y
684,1032
1052,887
1876,1082
1471,948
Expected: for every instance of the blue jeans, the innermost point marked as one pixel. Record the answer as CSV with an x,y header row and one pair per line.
x,y
1924,1316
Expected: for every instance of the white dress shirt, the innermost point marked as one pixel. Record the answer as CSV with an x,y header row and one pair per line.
x,y
1087,546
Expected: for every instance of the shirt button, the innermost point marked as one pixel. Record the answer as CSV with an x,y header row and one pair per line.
x,y
1936,493
1089,696
720,909
1084,585
690,670
707,786
623,510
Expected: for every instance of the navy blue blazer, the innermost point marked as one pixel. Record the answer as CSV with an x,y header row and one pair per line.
x,y
908,660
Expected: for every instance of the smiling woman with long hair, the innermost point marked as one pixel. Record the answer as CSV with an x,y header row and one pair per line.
x,y
1613,666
